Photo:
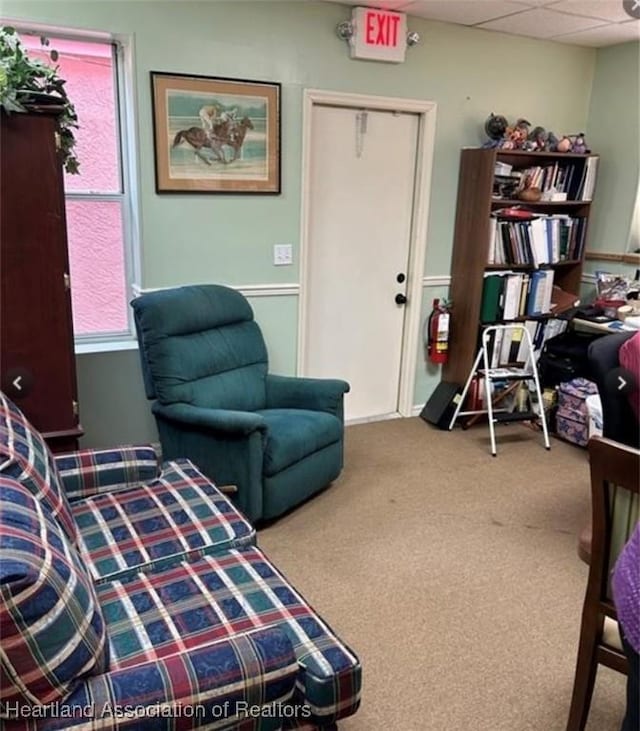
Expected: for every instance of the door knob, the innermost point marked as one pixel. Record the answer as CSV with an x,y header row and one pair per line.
x,y
401,299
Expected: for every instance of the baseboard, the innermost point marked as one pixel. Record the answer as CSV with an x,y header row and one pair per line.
x,y
369,419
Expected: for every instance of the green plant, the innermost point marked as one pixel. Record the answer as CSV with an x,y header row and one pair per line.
x,y
28,82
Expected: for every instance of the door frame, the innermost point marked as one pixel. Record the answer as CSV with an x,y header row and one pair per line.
x,y
426,110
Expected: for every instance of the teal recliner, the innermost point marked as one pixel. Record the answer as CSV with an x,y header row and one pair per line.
x,y
204,361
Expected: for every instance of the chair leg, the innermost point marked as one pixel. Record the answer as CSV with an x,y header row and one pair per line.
x,y
586,669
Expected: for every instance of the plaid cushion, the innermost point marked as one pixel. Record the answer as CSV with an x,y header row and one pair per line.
x,y
92,471
25,457
163,613
51,625
207,688
158,524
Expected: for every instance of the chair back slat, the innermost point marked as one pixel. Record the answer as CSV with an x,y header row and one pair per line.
x,y
624,511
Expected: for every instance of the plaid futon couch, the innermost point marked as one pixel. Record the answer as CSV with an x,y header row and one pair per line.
x,y
133,596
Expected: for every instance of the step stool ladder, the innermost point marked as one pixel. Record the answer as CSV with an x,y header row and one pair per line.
x,y
527,373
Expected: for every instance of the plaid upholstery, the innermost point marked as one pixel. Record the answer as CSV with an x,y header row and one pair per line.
x,y
225,596
89,472
158,524
51,625
25,457
205,688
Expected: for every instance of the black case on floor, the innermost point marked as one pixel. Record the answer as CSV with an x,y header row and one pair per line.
x,y
440,407
564,357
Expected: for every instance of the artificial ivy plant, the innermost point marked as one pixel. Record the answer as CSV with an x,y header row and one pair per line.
x,y
27,83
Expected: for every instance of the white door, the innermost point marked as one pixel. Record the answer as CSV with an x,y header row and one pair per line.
x,y
362,177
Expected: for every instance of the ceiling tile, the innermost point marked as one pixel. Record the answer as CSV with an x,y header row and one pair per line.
x,y
541,23
536,3
388,4
464,12
606,35
611,10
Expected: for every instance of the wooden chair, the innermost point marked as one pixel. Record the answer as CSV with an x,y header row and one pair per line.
x,y
614,500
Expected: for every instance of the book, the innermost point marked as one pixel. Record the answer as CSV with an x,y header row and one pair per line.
x,y
590,178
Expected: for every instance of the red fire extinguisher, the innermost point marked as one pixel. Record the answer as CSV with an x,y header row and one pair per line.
x,y
437,332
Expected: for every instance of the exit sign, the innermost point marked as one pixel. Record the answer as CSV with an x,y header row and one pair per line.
x,y
379,35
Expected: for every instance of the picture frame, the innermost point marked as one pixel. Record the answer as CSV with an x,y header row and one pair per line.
x,y
215,135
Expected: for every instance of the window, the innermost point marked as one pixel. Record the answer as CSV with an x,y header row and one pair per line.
x,y
98,200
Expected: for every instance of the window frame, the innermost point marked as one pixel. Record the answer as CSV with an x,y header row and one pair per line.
x,y
127,140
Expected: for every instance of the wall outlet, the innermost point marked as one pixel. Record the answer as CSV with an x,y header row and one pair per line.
x,y
282,254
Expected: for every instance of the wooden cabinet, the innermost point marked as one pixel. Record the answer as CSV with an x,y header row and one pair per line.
x,y
477,200
37,361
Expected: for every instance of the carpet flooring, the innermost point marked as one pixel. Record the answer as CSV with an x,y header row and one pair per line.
x,y
453,575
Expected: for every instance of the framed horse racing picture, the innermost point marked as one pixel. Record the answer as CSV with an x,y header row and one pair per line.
x,y
215,135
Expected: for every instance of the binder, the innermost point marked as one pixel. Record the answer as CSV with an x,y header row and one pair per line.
x,y
497,349
494,253
512,296
491,291
536,295
441,405
532,327
517,336
547,290
539,240
505,347
524,293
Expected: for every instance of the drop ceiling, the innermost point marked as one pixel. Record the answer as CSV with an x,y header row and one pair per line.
x,y
580,22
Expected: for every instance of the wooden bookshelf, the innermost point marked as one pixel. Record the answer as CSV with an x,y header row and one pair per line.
x,y
475,204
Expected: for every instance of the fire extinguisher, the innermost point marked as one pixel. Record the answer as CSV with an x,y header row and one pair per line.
x,y
437,332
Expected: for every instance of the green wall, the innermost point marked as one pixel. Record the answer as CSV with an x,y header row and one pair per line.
x,y
613,130
467,72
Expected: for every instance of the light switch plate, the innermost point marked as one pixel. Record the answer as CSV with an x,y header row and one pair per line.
x,y
282,254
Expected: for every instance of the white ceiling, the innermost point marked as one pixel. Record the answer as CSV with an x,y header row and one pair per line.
x,y
580,22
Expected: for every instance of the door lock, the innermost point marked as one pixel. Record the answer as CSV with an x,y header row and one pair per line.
x,y
401,299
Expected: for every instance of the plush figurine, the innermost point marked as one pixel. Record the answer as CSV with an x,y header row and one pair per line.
x,y
495,126
517,135
551,143
579,144
537,139
564,145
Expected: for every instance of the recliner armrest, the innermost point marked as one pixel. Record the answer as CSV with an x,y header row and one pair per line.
x,y
88,472
221,420
315,394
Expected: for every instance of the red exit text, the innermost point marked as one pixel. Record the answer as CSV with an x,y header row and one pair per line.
x,y
381,28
